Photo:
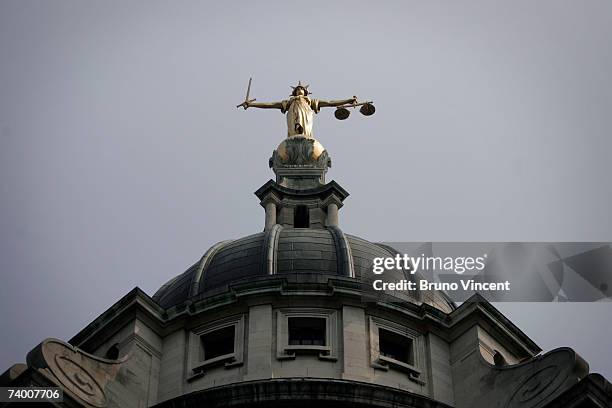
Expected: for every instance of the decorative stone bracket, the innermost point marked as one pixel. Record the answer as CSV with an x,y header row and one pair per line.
x,y
82,376
530,384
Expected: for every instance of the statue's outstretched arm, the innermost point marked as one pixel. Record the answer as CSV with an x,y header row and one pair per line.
x,y
324,104
264,105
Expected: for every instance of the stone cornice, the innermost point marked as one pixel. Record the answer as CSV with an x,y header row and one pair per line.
x,y
135,303
323,191
477,310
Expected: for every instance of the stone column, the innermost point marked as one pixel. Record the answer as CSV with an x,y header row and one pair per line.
x,y
270,215
332,215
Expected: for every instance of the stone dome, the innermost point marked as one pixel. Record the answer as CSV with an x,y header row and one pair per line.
x,y
302,254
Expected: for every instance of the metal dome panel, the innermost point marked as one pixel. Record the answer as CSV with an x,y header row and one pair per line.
x,y
284,251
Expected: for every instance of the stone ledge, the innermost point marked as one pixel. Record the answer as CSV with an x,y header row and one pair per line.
x,y
302,392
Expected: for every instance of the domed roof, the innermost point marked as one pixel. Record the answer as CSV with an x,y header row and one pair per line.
x,y
283,251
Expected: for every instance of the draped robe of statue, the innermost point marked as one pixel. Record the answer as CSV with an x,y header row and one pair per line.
x,y
300,115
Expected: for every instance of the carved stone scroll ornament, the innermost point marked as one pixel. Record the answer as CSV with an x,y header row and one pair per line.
x,y
81,375
530,384
544,378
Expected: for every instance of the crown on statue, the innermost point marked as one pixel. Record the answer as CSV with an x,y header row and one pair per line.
x,y
299,85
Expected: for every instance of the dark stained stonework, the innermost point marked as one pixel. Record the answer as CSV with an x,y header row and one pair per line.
x,y
594,391
303,393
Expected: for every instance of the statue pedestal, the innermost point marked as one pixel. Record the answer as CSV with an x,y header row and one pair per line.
x,y
300,198
300,163
300,177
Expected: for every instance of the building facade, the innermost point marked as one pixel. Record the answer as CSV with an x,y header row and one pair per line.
x,y
282,318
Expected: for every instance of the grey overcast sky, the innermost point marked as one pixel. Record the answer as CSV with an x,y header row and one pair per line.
x,y
123,156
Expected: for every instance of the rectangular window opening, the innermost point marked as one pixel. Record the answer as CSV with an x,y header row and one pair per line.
x,y
307,331
218,343
395,346
301,218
